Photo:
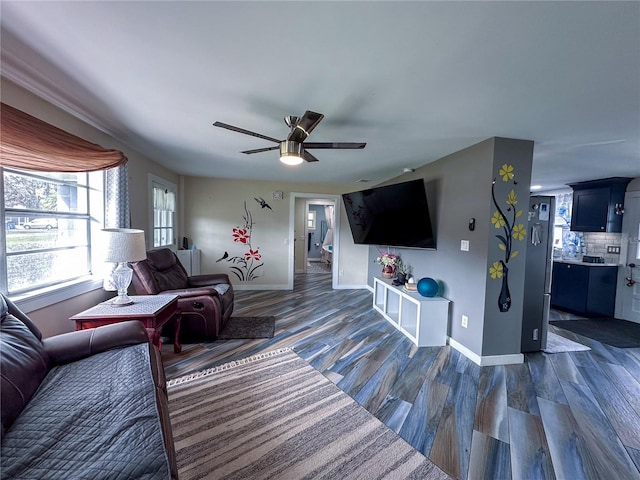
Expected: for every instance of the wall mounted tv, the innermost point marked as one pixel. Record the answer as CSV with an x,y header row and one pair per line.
x,y
392,215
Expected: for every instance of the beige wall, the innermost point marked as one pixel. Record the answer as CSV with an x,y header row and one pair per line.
x,y
215,206
55,318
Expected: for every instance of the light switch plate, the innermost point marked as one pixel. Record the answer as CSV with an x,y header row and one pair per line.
x,y
464,245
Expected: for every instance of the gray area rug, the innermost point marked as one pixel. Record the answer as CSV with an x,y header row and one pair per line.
x,y
248,327
558,344
614,332
275,416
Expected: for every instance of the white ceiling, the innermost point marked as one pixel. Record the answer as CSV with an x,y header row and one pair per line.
x,y
415,80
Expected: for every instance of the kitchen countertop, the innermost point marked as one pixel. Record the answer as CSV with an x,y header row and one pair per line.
x,y
580,262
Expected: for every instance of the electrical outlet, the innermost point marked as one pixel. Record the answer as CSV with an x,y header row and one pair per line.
x,y
613,249
465,321
535,334
464,245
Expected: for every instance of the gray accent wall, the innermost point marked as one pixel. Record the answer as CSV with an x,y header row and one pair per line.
x,y
502,330
458,189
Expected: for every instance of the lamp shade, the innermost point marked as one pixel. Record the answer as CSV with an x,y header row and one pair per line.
x,y
125,245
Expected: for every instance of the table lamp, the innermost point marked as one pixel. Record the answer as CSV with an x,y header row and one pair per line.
x,y
124,245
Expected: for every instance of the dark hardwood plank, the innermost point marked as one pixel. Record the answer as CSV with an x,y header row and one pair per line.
x,y
452,444
376,390
393,413
490,458
635,456
625,383
618,411
530,459
421,424
491,405
629,358
520,389
545,382
409,383
607,455
571,459
565,369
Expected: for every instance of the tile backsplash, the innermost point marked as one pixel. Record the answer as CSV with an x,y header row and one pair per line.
x,y
595,244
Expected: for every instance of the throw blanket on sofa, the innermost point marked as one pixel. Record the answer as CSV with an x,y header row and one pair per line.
x,y
92,419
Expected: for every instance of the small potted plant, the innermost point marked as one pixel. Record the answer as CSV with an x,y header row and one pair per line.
x,y
403,272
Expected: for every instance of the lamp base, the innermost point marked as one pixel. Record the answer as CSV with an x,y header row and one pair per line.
x,y
121,301
121,279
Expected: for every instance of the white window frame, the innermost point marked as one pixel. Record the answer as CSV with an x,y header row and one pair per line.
x,y
311,219
42,297
156,181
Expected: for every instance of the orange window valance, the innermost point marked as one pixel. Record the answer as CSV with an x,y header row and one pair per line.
x,y
28,143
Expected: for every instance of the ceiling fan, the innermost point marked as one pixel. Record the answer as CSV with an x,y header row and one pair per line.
x,y
293,149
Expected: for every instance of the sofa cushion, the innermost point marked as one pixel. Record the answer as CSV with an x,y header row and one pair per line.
x,y
94,418
23,366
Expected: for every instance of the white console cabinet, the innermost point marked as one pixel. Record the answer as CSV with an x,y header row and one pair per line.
x,y
190,260
423,319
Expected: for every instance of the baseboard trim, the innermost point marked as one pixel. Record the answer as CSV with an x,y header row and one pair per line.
x,y
488,360
259,287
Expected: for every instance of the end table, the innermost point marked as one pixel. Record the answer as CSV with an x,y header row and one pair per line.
x,y
154,311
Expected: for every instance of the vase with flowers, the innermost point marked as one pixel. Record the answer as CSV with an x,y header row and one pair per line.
x,y
389,262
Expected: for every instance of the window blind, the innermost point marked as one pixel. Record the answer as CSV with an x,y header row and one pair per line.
x,y
29,143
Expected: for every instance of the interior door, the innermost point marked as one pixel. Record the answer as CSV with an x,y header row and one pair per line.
x,y
628,296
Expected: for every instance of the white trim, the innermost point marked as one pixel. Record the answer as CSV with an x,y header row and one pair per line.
x,y
336,234
151,179
343,286
261,287
57,293
38,298
489,360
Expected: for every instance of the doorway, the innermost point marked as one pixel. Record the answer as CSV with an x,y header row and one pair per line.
x,y
314,233
318,238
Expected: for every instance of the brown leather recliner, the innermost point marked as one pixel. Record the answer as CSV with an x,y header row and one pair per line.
x,y
206,301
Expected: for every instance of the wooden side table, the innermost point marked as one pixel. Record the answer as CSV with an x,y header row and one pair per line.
x,y
153,311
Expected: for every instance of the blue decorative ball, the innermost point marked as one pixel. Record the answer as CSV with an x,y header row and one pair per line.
x,y
428,287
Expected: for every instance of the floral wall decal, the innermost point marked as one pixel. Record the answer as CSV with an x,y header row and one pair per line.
x,y
504,219
245,266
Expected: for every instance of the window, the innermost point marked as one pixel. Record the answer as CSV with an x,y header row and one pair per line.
x,y
164,208
48,227
311,220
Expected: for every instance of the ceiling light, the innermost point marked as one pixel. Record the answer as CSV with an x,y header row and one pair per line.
x,y
291,153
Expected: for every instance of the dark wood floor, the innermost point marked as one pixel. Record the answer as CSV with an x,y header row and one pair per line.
x,y
566,415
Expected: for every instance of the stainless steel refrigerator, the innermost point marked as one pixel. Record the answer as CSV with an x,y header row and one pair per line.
x,y
537,282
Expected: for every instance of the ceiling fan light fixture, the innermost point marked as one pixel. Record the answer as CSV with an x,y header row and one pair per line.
x,y
291,153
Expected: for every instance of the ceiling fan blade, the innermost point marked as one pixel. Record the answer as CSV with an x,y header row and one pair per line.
x,y
246,132
335,145
308,157
260,150
305,126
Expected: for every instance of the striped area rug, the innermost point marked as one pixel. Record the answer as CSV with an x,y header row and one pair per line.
x,y
273,416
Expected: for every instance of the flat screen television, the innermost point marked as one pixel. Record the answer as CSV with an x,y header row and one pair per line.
x,y
393,215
